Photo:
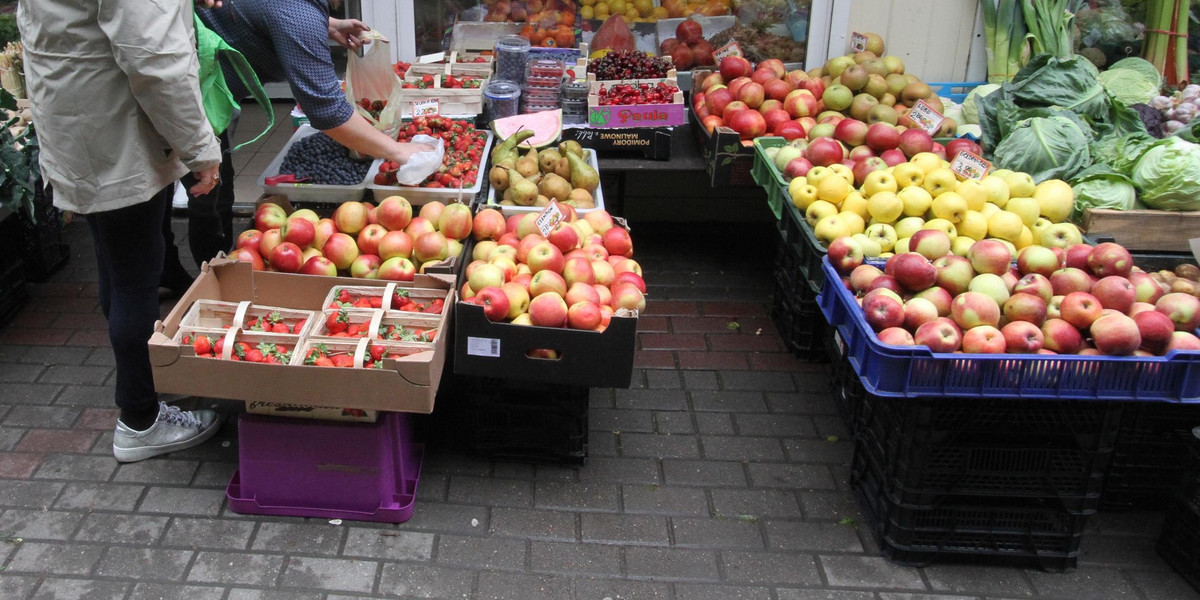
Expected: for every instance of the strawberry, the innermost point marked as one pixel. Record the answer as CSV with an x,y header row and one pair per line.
x,y
377,351
253,355
336,321
342,360
322,361
315,353
344,296
202,345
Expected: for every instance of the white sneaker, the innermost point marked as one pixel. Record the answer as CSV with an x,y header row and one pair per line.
x,y
173,429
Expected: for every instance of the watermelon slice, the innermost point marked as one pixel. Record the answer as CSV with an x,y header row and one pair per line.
x,y
546,127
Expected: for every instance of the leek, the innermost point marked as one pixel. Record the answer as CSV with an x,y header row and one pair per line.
x,y
1004,30
1049,24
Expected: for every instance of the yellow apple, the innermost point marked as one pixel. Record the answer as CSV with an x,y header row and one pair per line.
x,y
916,201
907,226
989,209
816,174
960,245
819,210
974,225
855,202
940,181
949,206
833,189
844,171
803,194
973,191
885,207
1012,248
901,246
908,174
856,222
832,227
942,225
883,234
928,161
997,189
1026,237
1061,235
1027,208
1005,225
1039,226
879,181
1056,199
1019,184
870,247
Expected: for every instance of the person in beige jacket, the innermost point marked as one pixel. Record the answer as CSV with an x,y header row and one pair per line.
x,y
113,87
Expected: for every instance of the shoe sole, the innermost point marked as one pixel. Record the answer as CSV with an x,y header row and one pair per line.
x,y
126,455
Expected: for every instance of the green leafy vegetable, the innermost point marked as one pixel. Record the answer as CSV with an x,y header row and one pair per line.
x,y
1053,147
1099,186
1132,80
970,107
1168,175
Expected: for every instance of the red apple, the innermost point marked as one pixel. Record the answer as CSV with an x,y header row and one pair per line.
x,y
247,255
1115,292
752,94
319,265
896,336
954,273
913,271
1076,255
394,213
494,302
1025,307
800,103
627,296
983,339
1080,309
1184,310
851,132
797,167
1155,329
269,215
1070,279
547,281
1038,259
394,244
579,270
299,231
583,315
1109,258
1036,285
940,335
286,257
930,243
1116,334
370,237
249,238
366,266
971,309
1022,337
716,100
883,311
341,249
617,242
845,254
1183,340
397,268
1061,336
777,89
431,247
915,141
825,151
350,217
748,123
918,311
732,67
940,298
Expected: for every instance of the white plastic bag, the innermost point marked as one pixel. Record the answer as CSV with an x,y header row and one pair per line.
x,y
422,164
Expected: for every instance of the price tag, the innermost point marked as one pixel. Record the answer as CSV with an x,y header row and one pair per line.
x,y
926,117
970,166
548,218
487,347
430,107
858,42
432,58
730,49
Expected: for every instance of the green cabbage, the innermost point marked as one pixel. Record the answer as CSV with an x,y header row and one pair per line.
x,y
1132,80
1051,147
1168,175
1098,186
969,108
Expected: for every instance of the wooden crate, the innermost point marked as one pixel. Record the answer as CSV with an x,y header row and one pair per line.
x,y
1157,230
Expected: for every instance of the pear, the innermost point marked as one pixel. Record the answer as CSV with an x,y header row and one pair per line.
x,y
541,200
562,168
521,192
580,198
548,159
553,186
498,178
570,147
527,166
582,174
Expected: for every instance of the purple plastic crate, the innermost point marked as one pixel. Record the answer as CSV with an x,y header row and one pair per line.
x,y
326,469
914,371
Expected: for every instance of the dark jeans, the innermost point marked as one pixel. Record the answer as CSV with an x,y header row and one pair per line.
x,y
129,250
210,217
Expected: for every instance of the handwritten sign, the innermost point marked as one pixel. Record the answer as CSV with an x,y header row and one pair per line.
x,y
548,218
858,42
968,165
430,107
926,117
730,49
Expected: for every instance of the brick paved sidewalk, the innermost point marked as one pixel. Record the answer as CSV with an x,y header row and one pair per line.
x,y
721,474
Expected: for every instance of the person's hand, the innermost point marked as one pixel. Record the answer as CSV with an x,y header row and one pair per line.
x,y
208,4
345,32
206,180
406,150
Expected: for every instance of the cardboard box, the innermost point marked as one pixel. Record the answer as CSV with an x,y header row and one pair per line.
x,y
585,358
408,385
621,116
320,413
726,158
648,142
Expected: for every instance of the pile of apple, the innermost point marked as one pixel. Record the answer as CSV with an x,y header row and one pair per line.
x,y
893,203
577,276
361,240
758,101
1074,300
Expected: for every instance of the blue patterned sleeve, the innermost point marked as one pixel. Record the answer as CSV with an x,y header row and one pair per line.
x,y
300,37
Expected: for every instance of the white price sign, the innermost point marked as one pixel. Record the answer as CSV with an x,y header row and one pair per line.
x,y
430,107
968,165
926,117
730,49
486,347
548,218
858,42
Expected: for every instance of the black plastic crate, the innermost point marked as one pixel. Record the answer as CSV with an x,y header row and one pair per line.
x,y
1189,486
1179,542
13,291
501,419
794,308
1152,443
847,388
1025,531
40,243
924,449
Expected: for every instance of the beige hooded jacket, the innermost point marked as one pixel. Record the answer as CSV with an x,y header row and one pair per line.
x,y
115,96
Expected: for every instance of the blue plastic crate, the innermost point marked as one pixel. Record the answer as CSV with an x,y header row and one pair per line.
x,y
954,90
912,371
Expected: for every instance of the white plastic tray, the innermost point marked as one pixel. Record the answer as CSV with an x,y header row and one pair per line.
x,y
417,196
520,210
308,192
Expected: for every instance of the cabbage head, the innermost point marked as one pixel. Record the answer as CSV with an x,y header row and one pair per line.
x,y
1100,187
1168,175
1052,147
969,107
1132,80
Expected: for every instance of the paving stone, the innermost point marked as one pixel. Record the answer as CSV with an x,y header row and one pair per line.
x,y
121,528
700,380
144,563
533,524
1083,583
712,360
236,568
1160,585
490,491
508,470
20,373
455,463
79,589
620,470
690,591
741,448
212,474
24,415
812,537
38,524
820,450
423,581
16,586
98,496
970,579
624,528
574,558
821,403
584,496
214,534
603,397
603,443
912,596
818,594
79,375
716,533
657,445
587,588
603,419
157,472
523,586
1120,551
869,571
726,401
102,419
54,558
830,426
655,499
769,568
774,424
184,501
673,422
19,465
388,544
73,467
308,537
433,486
248,594
481,552
171,591
448,518
703,472
9,436
791,476
757,381
57,440
828,505
715,424
28,393
655,399
671,564
330,574
755,503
